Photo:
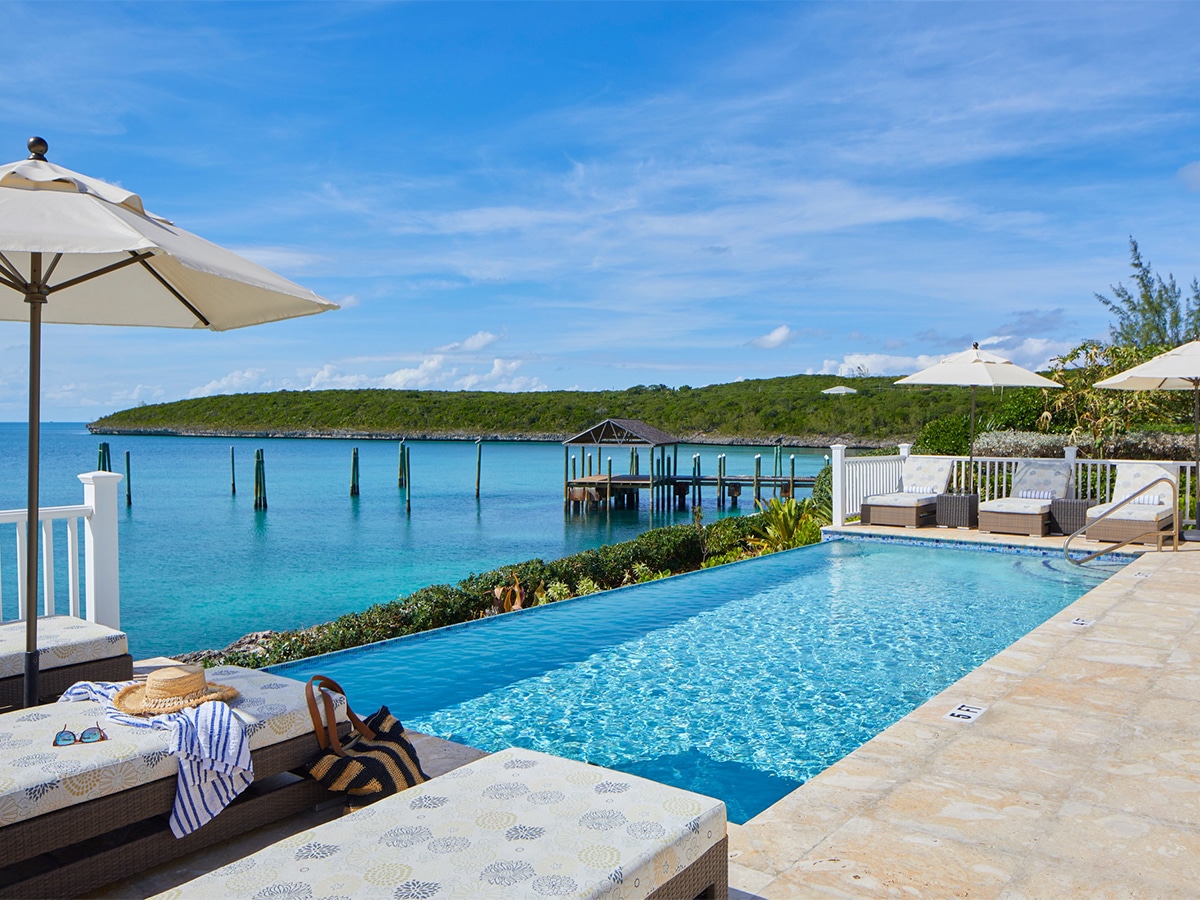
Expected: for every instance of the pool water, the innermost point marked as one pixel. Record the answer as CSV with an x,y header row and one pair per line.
x,y
739,682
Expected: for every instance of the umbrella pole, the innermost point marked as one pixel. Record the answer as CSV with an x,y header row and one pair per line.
x,y
35,299
971,448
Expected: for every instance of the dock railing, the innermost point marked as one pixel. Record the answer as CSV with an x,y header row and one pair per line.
x,y
99,573
857,477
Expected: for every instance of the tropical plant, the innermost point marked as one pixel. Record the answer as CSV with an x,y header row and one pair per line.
x,y
785,524
1154,314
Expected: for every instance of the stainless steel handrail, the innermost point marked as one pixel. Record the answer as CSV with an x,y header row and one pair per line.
x,y
1137,537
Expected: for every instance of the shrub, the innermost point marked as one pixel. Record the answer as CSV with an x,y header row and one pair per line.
x,y
946,436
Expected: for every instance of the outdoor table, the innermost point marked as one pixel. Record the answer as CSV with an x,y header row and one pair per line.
x,y
957,511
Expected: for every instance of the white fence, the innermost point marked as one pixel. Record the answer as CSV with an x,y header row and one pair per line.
x,y
856,478
99,573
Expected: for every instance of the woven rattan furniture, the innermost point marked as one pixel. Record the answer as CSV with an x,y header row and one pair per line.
x,y
1150,513
515,824
957,510
913,503
1036,484
101,810
1068,515
69,650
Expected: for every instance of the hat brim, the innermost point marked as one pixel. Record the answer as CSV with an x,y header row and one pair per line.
x,y
131,699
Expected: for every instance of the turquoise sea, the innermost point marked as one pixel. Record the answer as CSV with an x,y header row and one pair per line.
x,y
200,568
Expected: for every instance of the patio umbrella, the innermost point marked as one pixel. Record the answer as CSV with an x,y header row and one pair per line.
x,y
1175,370
80,251
976,368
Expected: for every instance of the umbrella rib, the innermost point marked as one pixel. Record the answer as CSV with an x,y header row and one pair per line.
x,y
137,257
174,293
53,265
12,284
12,270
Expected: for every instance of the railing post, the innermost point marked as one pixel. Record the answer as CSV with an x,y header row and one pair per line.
x,y
904,450
102,566
1070,454
838,462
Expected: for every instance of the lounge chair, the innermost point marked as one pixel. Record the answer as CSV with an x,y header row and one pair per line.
x,y
1143,518
75,818
1027,508
514,824
69,650
914,501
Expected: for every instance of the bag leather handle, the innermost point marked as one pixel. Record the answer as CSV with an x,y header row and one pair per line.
x,y
326,731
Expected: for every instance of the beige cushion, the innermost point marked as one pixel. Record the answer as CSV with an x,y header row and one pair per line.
x,y
1132,512
62,641
900,499
36,777
513,824
1053,475
1016,505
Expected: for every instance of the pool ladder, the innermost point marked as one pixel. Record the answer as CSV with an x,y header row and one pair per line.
x,y
1160,535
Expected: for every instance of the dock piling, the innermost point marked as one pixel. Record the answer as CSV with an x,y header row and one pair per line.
x,y
232,475
260,480
128,483
757,478
478,464
400,466
407,479
354,472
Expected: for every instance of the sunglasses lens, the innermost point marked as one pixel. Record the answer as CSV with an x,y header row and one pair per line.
x,y
91,735
64,739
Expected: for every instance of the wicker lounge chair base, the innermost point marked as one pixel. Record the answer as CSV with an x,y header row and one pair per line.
x,y
52,682
1140,532
903,516
115,836
1032,524
707,877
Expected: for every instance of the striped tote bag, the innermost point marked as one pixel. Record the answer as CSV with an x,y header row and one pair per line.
x,y
376,761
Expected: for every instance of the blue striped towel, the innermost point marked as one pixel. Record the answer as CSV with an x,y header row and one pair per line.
x,y
209,741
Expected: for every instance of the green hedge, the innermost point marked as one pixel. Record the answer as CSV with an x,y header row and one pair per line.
x,y
674,549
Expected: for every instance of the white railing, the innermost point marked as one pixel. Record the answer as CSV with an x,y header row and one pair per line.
x,y
100,570
856,478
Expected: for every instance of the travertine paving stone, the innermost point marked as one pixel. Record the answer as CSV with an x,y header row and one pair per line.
x,y
1082,777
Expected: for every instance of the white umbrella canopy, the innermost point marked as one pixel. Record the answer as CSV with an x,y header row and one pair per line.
x,y
976,368
1175,370
76,250
839,389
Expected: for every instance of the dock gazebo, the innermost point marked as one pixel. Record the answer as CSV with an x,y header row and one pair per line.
x,y
587,487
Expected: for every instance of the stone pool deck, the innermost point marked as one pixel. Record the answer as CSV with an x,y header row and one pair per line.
x,y
1079,777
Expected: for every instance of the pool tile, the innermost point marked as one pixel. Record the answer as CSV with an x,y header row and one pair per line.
x,y
1087,835
1064,695
1052,728
983,759
1167,796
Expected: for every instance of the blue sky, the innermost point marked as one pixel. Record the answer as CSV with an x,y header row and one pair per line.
x,y
543,196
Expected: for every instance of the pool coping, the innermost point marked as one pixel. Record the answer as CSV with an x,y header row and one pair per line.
x,y
1075,768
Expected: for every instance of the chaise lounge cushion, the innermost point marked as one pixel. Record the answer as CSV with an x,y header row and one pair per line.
x,y
1020,505
62,641
37,778
1131,477
514,824
922,478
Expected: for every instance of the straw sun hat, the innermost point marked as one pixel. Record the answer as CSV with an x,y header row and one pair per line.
x,y
169,690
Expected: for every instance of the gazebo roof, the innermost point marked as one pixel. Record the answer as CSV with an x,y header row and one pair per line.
x,y
623,431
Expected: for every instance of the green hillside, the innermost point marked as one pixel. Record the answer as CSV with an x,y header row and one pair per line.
x,y
791,408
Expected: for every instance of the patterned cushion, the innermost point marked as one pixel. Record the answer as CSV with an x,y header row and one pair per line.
x,y
1026,506
37,777
513,824
62,641
932,472
1131,513
901,499
1042,479
1149,500
1132,476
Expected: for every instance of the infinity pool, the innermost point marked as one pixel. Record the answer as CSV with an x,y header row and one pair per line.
x,y
739,682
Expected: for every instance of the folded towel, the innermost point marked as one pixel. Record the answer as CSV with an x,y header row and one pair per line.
x,y
209,741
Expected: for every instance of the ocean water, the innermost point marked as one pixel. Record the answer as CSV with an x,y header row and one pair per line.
x,y
200,568
739,682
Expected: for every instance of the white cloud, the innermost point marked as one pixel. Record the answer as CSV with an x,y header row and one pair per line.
x,y
428,374
473,344
776,338
239,381
349,301
1190,176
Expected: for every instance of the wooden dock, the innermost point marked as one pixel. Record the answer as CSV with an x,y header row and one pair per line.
x,y
624,491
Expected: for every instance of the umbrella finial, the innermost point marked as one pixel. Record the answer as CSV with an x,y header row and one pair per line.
x,y
37,148
975,345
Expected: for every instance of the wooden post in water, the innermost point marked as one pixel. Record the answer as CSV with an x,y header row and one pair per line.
x,y
400,466
103,458
757,476
260,480
407,479
128,483
792,479
699,485
354,472
566,477
232,475
572,467
720,481
478,464
608,497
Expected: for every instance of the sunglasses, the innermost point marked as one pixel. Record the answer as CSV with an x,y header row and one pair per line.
x,y
66,738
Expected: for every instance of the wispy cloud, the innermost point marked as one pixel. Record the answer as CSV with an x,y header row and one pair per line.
x,y
778,337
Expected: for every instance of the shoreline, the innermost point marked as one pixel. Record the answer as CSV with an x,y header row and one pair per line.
x,y
807,442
